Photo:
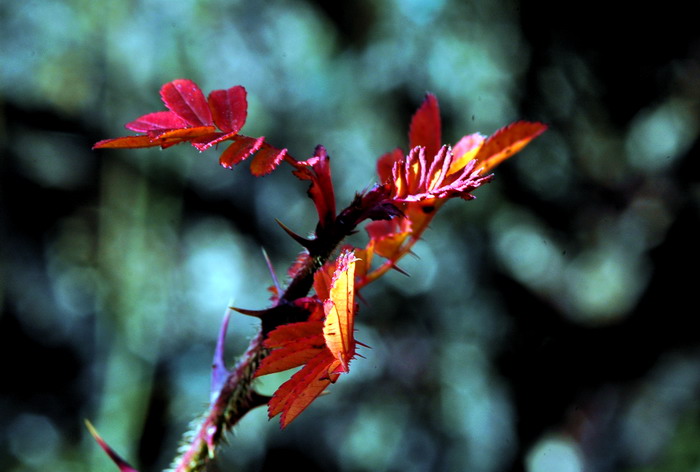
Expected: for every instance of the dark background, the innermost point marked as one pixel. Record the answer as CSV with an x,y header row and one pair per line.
x,y
548,325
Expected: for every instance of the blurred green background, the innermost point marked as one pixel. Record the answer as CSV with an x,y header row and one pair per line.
x,y
546,326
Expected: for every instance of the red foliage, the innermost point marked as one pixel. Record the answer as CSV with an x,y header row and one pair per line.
x,y
195,119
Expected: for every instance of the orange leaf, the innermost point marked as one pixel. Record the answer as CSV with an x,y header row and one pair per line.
x,y
465,150
126,142
183,134
389,236
339,326
292,355
266,160
322,280
292,345
507,141
364,262
284,334
297,393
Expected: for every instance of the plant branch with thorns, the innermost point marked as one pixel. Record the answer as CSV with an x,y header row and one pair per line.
x,y
310,322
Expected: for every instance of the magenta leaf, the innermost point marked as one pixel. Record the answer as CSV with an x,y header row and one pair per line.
x,y
229,108
160,120
186,99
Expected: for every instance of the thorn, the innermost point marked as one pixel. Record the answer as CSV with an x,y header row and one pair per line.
x,y
272,271
400,270
361,298
219,372
243,311
116,458
258,399
307,243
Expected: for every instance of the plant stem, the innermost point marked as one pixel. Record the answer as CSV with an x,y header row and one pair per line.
x,y
237,396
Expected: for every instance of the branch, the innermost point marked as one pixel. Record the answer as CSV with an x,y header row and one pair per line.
x,y
237,396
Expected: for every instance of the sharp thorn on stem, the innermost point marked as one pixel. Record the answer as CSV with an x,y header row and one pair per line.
x,y
307,243
275,281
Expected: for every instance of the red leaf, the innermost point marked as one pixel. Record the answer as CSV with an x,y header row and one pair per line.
x,y
293,354
317,169
385,164
205,142
425,127
171,137
292,332
241,148
297,393
126,142
292,345
183,134
186,99
323,279
159,120
229,108
507,141
266,160
192,118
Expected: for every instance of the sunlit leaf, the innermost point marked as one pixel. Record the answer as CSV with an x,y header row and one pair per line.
x,y
339,326
507,141
293,396
465,150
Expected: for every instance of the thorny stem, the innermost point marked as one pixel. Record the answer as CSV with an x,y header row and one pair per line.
x,y
237,396
235,399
